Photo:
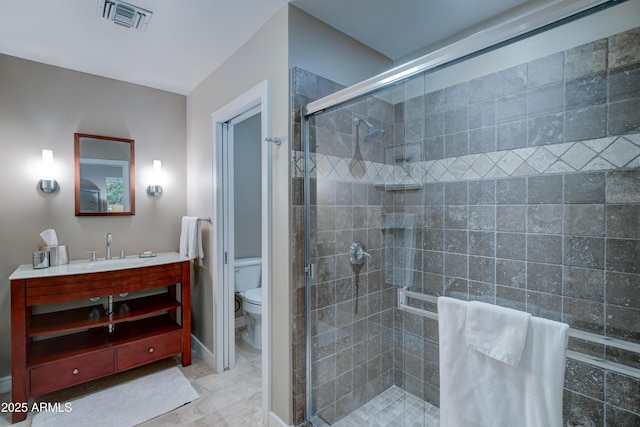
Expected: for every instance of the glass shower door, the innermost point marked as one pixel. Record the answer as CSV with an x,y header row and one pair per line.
x,y
367,360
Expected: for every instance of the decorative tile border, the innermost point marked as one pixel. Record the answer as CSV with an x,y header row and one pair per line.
x,y
616,152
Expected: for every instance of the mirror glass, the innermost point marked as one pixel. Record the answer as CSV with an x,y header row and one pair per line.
x,y
104,175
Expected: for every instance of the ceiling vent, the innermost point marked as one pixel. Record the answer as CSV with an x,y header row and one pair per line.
x,y
124,14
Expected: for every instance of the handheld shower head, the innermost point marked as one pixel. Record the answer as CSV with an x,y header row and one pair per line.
x,y
373,133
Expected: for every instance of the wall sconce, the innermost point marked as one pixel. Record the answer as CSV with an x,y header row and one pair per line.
x,y
47,184
155,188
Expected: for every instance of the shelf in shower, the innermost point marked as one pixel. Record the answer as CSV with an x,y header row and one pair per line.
x,y
398,187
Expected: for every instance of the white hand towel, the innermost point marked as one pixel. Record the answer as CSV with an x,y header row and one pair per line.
x,y
191,238
479,391
184,236
496,331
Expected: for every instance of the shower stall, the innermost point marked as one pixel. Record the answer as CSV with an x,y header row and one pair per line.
x,y
501,177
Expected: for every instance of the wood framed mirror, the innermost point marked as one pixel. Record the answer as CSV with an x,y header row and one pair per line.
x,y
104,175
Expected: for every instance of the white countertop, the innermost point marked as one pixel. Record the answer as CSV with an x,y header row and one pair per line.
x,y
27,271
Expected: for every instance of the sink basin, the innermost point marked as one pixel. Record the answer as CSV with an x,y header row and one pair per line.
x,y
117,263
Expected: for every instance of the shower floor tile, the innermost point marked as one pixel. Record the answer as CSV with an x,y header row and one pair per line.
x,y
393,407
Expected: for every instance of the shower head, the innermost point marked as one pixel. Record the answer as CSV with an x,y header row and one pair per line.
x,y
373,133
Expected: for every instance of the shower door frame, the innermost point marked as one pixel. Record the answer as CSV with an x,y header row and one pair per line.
x,y
529,23
309,268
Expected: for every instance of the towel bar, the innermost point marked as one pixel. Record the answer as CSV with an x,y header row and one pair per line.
x,y
207,219
405,294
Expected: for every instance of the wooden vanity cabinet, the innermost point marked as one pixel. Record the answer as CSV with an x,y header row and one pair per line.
x,y
59,349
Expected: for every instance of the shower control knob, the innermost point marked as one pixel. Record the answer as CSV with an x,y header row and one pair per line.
x,y
358,253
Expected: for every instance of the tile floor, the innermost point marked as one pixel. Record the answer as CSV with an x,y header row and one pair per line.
x,y
230,399
234,398
392,408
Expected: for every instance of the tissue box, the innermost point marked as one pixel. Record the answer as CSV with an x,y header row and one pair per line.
x,y
58,254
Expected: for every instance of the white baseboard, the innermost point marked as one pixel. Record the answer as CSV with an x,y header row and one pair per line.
x,y
276,421
5,384
202,351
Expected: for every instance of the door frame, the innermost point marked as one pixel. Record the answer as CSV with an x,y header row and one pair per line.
x,y
258,96
228,221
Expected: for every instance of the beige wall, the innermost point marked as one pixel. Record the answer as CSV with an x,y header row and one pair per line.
x,y
314,46
41,106
264,56
290,38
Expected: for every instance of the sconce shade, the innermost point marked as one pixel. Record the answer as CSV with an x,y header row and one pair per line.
x,y
47,184
47,164
155,188
157,171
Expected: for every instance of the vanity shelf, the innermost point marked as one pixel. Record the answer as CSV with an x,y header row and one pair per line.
x,y
57,348
95,315
63,347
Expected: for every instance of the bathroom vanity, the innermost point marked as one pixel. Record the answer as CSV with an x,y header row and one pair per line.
x,y
54,346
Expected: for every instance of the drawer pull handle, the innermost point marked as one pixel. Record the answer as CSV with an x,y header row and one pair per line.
x,y
150,349
75,371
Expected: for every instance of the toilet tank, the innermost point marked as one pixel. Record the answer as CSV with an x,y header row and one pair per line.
x,y
247,273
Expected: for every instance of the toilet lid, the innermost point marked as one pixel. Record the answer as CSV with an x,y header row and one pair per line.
x,y
253,296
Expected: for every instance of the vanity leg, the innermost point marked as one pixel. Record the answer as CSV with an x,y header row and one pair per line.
x,y
185,312
19,386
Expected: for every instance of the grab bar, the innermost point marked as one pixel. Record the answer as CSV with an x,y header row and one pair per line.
x,y
405,294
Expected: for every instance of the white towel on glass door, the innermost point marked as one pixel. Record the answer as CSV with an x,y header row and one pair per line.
x,y
496,331
191,238
480,391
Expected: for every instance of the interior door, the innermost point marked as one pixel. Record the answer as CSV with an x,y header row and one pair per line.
x,y
229,231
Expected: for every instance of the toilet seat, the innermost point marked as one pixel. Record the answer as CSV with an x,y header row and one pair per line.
x,y
253,296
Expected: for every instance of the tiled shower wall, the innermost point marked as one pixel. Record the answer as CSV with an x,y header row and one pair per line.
x,y
528,197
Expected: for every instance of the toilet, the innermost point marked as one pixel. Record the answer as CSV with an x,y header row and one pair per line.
x,y
247,285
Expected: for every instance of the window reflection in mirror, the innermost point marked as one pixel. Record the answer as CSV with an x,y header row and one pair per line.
x,y
104,174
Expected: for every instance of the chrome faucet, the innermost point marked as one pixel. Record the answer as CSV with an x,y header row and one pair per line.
x,y
109,241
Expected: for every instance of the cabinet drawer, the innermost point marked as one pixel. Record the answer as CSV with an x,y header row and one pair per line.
x,y
68,372
149,349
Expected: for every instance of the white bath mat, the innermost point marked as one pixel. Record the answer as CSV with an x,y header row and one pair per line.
x,y
126,404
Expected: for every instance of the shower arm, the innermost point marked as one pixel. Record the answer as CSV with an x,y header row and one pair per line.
x,y
373,133
358,120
